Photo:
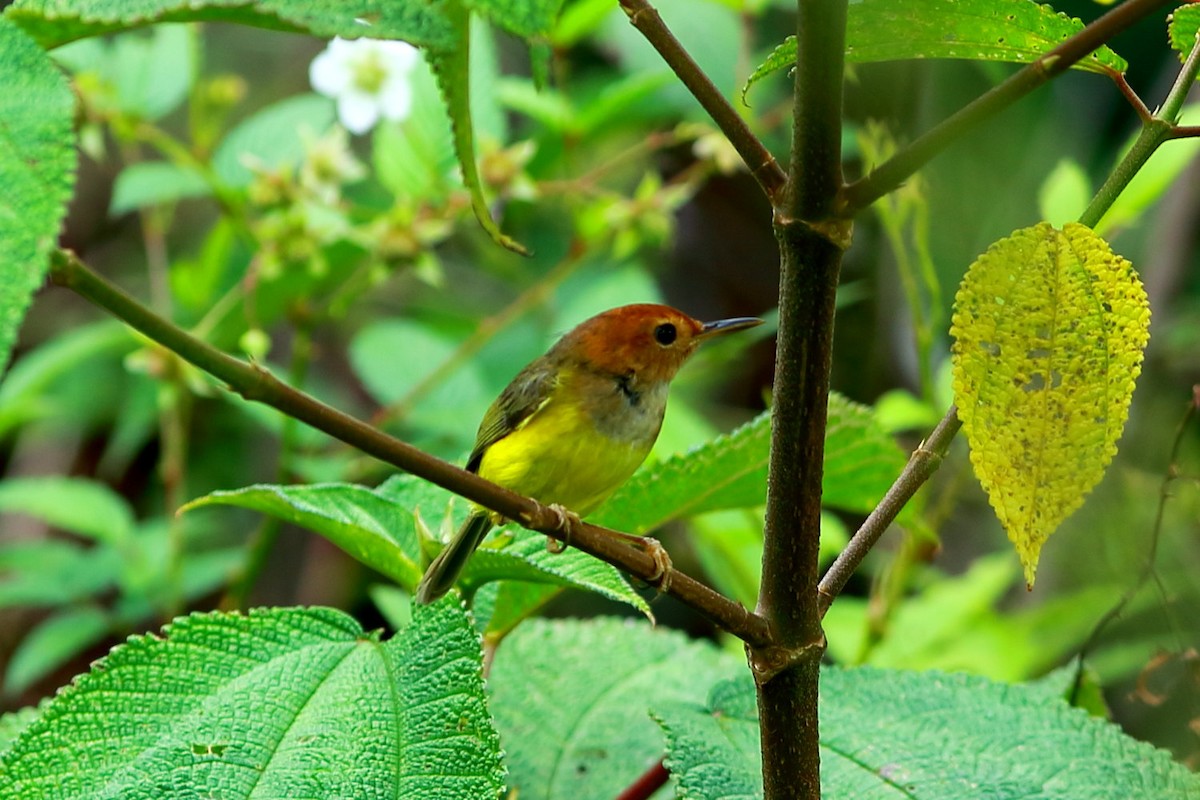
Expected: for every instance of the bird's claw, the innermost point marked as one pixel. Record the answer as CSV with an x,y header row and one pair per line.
x,y
565,521
661,579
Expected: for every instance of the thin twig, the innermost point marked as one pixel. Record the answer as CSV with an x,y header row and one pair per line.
x,y
924,461
1140,107
908,160
255,383
647,783
762,164
1164,493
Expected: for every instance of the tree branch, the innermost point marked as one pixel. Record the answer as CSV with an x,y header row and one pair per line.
x,y
924,461
255,383
762,164
893,172
811,242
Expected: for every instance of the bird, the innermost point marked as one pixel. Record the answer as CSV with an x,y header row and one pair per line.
x,y
576,423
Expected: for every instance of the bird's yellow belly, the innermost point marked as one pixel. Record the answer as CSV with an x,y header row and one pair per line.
x,y
559,456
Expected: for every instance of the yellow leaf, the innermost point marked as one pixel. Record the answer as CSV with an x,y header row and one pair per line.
x,y
1049,328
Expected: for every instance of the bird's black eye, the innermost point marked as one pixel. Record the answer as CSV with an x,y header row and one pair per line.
x,y
665,334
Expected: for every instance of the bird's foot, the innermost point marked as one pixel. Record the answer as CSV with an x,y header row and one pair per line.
x,y
565,521
661,579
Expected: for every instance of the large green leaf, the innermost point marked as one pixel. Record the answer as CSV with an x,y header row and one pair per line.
x,y
571,701
55,22
1049,328
888,734
1185,23
37,170
1019,31
379,528
279,703
861,461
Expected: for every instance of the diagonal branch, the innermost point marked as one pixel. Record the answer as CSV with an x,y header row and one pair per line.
x,y
254,382
907,161
924,461
762,164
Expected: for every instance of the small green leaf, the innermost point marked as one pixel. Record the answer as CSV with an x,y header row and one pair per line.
x,y
1020,31
51,573
924,736
37,171
151,183
861,461
366,525
1185,22
277,703
77,505
272,138
147,74
571,698
1049,329
52,643
1064,194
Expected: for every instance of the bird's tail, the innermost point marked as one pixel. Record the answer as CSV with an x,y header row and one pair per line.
x,y
444,570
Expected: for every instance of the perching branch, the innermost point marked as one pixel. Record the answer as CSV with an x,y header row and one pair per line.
x,y
908,160
762,164
921,465
255,383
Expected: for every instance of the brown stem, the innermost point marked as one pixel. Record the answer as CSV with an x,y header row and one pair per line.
x,y
253,382
921,465
762,164
893,172
811,242
647,783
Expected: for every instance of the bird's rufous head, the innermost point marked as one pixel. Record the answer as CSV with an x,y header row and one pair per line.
x,y
647,340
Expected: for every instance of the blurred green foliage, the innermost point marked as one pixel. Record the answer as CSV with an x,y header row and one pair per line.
x,y
215,184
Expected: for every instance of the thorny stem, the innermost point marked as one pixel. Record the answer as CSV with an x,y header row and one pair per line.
x,y
255,383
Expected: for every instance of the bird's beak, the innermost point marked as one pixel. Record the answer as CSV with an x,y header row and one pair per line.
x,y
723,326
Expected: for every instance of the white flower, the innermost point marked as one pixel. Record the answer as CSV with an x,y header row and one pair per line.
x,y
367,77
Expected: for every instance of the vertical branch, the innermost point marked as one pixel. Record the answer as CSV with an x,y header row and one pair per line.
x,y
811,244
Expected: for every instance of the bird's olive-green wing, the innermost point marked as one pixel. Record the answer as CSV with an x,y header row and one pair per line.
x,y
520,400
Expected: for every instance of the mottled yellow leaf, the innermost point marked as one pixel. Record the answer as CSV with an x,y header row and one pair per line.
x,y
1049,328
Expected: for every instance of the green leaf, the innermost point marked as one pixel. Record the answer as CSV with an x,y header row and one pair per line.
x,y
451,66
148,75
395,356
525,18
12,723
272,138
924,736
1185,22
571,701
51,573
1019,31
37,171
52,643
278,703
1049,328
1064,194
25,392
55,22
366,525
378,527
151,183
414,159
77,505
861,461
